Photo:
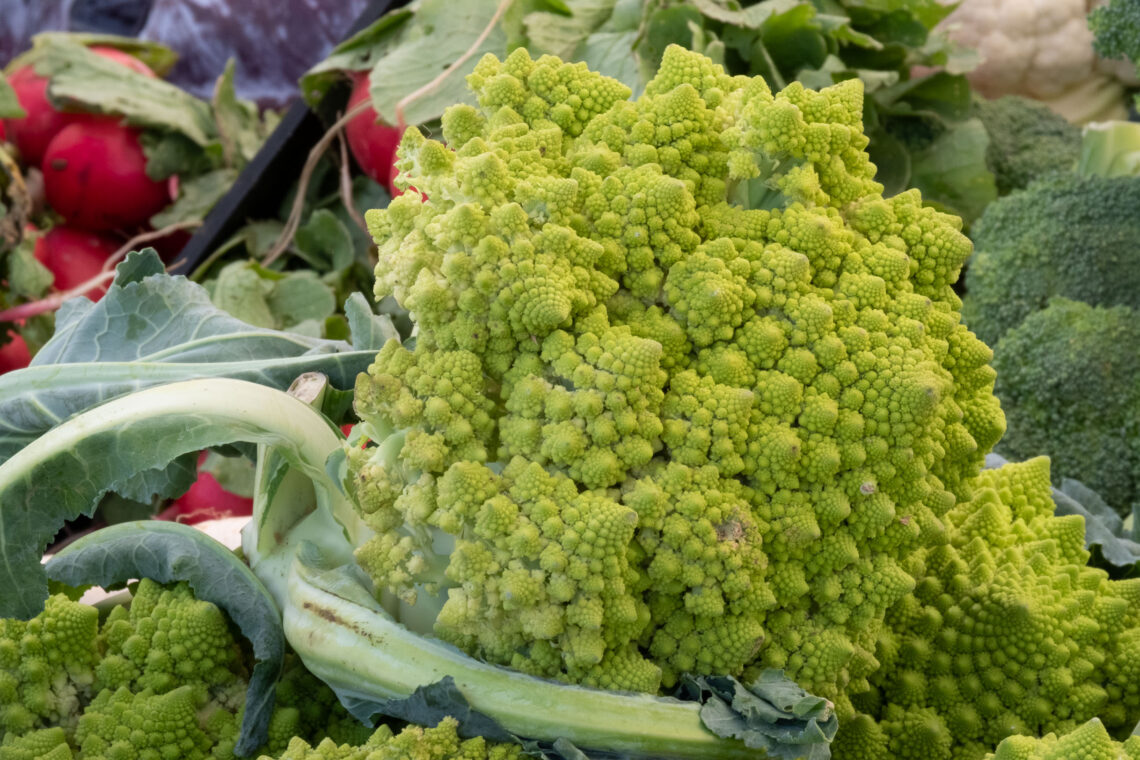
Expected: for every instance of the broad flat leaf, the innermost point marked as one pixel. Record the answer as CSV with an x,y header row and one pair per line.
x,y
237,121
27,277
301,297
667,26
952,172
752,17
196,197
65,472
358,53
325,243
441,32
611,53
151,329
771,713
158,57
239,290
235,474
90,82
368,329
9,105
167,552
170,153
559,34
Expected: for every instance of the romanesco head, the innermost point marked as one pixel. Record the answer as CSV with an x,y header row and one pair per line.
x,y
1089,741
1006,632
686,390
47,666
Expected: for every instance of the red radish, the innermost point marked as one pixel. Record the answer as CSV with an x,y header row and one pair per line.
x,y
32,133
3,132
14,354
372,142
206,500
75,256
95,177
126,59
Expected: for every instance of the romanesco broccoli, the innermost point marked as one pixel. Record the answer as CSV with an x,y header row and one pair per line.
x,y
162,678
1087,742
1006,632
686,390
439,743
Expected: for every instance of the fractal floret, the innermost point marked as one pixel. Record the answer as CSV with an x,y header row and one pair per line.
x,y
1006,632
686,393
1088,742
162,678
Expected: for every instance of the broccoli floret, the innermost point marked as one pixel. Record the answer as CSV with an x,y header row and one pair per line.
x,y
1116,29
1067,380
1064,236
1088,741
1006,632
1027,140
686,390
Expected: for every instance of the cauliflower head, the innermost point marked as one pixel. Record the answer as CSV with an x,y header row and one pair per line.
x,y
685,389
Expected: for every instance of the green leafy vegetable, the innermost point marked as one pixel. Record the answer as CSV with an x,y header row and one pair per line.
x,y
63,473
148,330
86,80
9,105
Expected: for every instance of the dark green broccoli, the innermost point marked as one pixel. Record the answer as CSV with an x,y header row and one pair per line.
x,y
1027,140
1064,235
1116,30
1067,380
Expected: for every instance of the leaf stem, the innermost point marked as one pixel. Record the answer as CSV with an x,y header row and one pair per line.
x,y
318,150
346,194
401,124
55,300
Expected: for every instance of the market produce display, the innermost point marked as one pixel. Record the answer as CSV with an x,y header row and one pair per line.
x,y
667,426
1050,288
100,151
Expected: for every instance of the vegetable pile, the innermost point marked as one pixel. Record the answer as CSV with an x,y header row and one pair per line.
x,y
100,151
682,450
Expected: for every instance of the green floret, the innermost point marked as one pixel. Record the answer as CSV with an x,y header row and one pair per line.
x,y
1027,141
1116,30
1062,236
49,743
47,666
1067,378
1006,632
164,677
697,390
1088,741
439,743
167,638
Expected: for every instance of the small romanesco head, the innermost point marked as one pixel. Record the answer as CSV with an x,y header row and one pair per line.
x,y
686,390
1088,741
1006,632
162,678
